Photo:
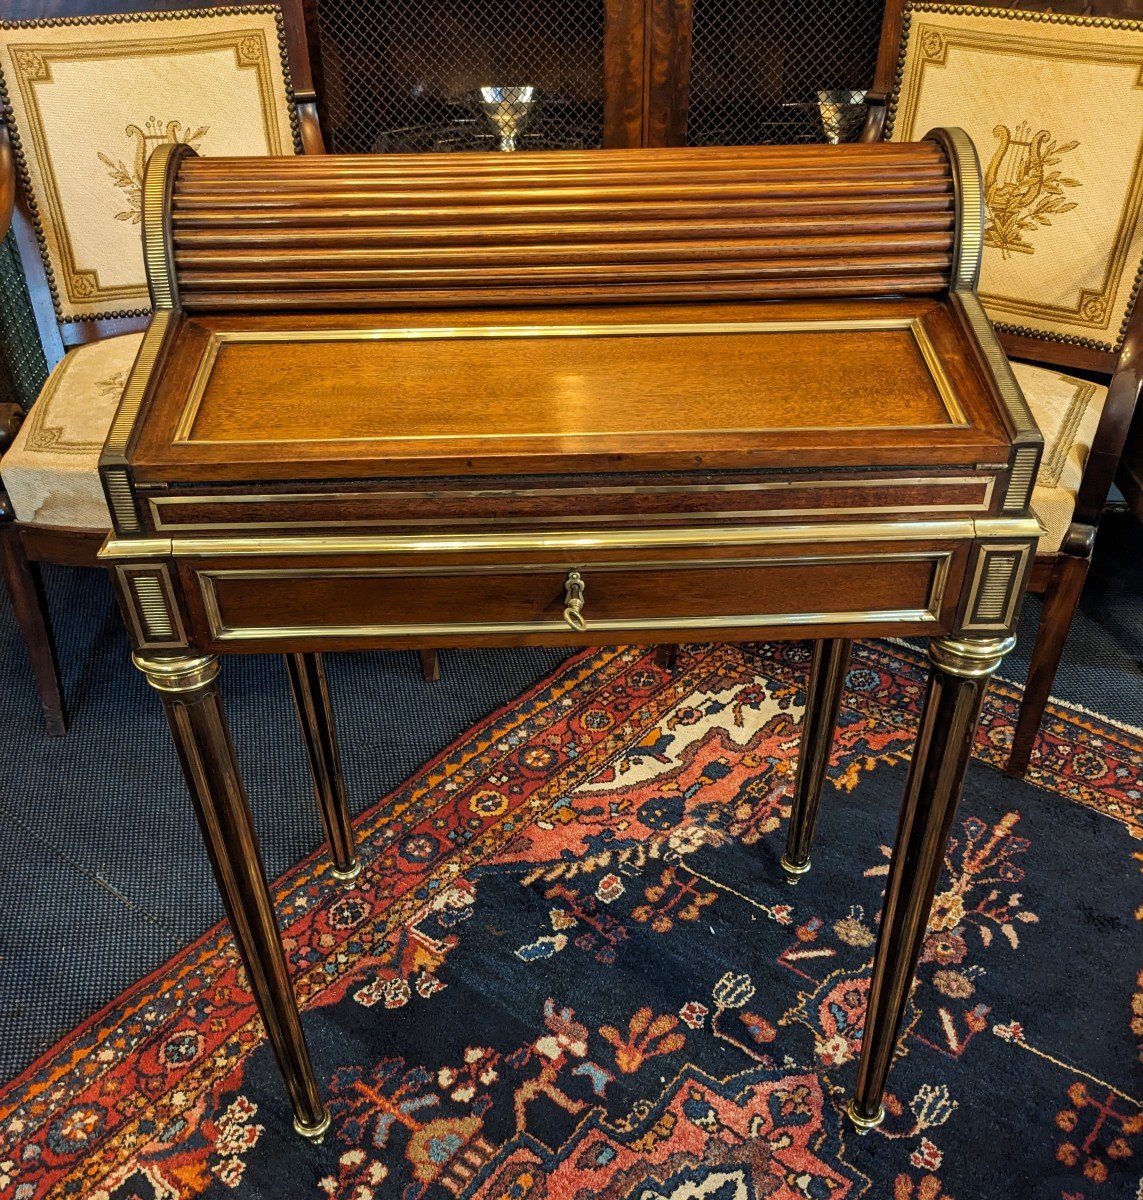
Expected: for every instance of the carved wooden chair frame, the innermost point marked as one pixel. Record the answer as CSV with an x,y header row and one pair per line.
x,y
24,546
1058,577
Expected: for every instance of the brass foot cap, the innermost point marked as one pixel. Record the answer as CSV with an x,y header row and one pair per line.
x,y
348,875
313,1133
864,1124
794,871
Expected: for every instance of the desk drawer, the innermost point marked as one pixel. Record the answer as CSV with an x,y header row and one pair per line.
x,y
723,592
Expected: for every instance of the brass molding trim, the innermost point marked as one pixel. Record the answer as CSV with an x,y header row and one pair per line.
x,y
158,256
583,540
969,658
578,540
116,547
969,192
220,338
222,632
178,674
1010,527
987,485
877,617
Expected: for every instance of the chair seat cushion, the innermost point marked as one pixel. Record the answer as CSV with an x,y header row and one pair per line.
x,y
1067,411
51,472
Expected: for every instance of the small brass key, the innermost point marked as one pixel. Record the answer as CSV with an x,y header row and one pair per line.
x,y
573,601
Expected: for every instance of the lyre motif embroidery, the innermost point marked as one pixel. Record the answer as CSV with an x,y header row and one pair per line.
x,y
130,179
1022,191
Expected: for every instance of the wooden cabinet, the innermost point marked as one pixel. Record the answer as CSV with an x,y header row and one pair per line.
x,y
406,75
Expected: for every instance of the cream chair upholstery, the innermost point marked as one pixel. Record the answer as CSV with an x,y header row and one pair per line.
x,y
1054,106
90,97
51,472
1067,411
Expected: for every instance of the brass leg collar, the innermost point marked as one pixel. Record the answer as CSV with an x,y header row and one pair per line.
x,y
970,658
861,1123
349,874
313,1133
794,871
186,674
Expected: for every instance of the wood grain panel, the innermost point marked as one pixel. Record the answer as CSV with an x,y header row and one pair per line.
x,y
554,387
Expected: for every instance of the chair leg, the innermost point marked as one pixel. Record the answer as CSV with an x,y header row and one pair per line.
x,y
30,606
430,665
1060,600
667,657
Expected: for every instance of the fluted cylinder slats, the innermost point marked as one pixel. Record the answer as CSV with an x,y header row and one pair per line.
x,y
548,254
435,237
370,232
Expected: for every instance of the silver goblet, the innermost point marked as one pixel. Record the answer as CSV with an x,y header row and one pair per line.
x,y
842,113
508,109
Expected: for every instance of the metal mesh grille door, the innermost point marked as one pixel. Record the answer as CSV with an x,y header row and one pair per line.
x,y
412,75
780,70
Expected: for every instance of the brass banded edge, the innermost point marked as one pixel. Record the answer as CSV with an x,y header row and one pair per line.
x,y
1011,393
137,380
987,485
852,532
176,527
157,179
940,558
965,165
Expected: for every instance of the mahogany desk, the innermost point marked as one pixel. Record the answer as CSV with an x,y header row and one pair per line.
x,y
568,400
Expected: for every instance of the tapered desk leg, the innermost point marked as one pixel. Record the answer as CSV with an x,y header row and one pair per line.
x,y
957,683
823,702
189,691
315,716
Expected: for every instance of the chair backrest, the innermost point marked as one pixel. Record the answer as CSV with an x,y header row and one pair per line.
x,y
1054,104
87,97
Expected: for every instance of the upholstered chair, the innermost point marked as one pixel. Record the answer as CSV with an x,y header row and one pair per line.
x,y
1054,105
85,100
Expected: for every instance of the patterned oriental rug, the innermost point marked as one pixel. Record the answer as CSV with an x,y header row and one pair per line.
x,y
573,971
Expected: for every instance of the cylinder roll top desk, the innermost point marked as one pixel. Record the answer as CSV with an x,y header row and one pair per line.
x,y
569,399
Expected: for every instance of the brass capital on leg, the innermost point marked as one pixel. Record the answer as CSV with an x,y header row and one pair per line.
x,y
970,658
188,673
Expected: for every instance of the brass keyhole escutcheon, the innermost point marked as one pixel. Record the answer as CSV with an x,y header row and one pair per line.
x,y
573,601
